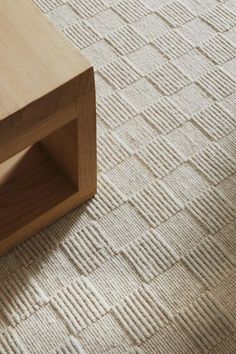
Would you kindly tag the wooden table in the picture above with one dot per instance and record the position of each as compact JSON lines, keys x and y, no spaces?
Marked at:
{"x":47,"y":124}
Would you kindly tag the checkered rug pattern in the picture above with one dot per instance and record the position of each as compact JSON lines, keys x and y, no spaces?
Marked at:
{"x":148,"y":266}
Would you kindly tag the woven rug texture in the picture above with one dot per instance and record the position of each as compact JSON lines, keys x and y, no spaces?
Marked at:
{"x":148,"y":266}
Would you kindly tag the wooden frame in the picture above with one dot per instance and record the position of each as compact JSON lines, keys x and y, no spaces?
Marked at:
{"x":48,"y":135}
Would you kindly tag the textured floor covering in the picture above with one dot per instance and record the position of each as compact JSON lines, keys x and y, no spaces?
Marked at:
{"x":148,"y":266}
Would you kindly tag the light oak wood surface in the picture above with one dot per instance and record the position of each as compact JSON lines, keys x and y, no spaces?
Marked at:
{"x":47,"y":124}
{"x":33,"y":58}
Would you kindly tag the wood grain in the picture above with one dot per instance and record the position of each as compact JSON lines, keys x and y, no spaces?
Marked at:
{"x":47,"y":124}
{"x":62,"y":146}
{"x":30,"y":185}
{"x":34,"y":59}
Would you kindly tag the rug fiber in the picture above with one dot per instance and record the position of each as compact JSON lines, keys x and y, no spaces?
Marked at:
{"x":148,"y":265}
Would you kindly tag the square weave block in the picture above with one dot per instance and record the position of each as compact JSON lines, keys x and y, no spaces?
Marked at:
{"x":47,"y":124}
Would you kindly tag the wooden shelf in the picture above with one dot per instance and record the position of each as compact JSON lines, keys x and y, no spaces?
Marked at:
{"x":47,"y":107}
{"x":30,"y":185}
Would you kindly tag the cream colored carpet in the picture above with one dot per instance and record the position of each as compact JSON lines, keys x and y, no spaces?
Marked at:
{"x":148,"y":265}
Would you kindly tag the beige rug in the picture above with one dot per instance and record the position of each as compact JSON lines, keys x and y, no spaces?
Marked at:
{"x":148,"y":265}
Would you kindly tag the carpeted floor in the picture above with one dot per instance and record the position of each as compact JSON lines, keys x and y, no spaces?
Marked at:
{"x":148,"y":265}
